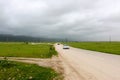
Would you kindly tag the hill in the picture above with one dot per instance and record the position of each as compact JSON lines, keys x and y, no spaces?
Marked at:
{"x":14,"y":38}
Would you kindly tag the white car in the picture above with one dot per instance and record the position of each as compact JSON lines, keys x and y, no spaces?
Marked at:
{"x":66,"y":47}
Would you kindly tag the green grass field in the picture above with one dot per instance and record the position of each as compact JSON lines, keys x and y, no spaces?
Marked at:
{"x":10,"y":70}
{"x":26,"y":50}
{"x":107,"y":47}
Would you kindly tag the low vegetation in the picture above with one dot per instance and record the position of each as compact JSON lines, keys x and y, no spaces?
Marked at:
{"x":107,"y":47}
{"x":10,"y":70}
{"x":27,"y":50}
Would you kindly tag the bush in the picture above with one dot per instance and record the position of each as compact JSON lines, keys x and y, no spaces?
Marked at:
{"x":52,"y":51}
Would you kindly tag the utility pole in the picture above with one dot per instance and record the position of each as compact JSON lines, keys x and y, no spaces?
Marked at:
{"x":7,"y":39}
{"x":110,"y":38}
{"x":66,"y":40}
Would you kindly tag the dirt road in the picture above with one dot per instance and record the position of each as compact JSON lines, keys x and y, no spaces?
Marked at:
{"x":89,"y":65}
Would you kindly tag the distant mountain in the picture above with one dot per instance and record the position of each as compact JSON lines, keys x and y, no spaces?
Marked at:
{"x":13,"y":38}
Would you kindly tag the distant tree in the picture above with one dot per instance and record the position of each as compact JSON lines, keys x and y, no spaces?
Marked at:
{"x":26,"y":42}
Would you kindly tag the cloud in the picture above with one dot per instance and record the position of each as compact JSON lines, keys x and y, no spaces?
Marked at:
{"x":72,"y":19}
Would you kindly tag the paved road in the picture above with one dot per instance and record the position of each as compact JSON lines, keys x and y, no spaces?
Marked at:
{"x":82,"y":64}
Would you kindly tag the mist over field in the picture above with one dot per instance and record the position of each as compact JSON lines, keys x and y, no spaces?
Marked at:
{"x":86,"y":20}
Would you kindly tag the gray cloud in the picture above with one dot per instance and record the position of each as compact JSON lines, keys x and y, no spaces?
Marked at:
{"x":73,"y":19}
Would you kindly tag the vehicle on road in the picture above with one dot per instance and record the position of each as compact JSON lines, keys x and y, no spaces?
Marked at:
{"x":66,"y":47}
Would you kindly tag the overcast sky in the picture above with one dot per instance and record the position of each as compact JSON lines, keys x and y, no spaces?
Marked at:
{"x":72,"y":19}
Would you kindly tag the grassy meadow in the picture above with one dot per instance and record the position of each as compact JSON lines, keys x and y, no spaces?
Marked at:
{"x":27,"y":50}
{"x":107,"y":47}
{"x":10,"y":70}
